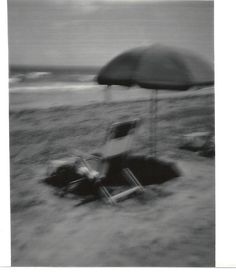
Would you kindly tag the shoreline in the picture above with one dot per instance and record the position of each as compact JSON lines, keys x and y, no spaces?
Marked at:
{"x":78,"y":96}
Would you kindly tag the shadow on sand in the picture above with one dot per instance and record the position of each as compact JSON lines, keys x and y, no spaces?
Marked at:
{"x":147,"y":170}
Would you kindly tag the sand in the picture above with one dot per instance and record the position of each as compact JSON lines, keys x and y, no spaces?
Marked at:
{"x":171,"y":224}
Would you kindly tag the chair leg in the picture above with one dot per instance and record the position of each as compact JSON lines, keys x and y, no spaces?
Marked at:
{"x":128,"y":174}
{"x":106,"y":194}
{"x":66,"y":189}
{"x":112,"y":199}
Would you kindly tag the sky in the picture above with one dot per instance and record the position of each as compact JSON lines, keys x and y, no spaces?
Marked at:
{"x":91,"y":32}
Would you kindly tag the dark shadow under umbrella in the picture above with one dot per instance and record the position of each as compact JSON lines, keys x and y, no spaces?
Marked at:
{"x":157,"y":67}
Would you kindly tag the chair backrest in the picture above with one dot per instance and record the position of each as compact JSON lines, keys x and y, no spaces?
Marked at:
{"x":119,"y":138}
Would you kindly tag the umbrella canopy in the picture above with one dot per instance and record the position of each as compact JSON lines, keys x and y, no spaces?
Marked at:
{"x":157,"y":67}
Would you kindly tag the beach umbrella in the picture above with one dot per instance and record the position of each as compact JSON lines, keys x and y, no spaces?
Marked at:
{"x":157,"y":67}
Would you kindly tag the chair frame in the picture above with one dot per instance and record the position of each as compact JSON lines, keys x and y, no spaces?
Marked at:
{"x":104,"y":165}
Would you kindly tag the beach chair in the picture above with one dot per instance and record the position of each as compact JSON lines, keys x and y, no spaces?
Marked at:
{"x":118,"y":144}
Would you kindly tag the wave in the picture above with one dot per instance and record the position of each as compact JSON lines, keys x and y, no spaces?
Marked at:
{"x":54,"y":87}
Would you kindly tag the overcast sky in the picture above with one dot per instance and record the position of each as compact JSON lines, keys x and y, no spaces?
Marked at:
{"x":90,"y":32}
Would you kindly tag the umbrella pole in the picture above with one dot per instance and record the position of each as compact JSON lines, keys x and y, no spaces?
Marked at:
{"x":107,"y":94}
{"x":150,"y":123}
{"x":153,"y":124}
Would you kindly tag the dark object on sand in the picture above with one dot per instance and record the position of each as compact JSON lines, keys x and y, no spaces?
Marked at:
{"x":201,"y":142}
{"x":61,"y":177}
{"x":157,"y":67}
{"x":114,"y":167}
{"x":147,"y":170}
{"x":93,"y":169}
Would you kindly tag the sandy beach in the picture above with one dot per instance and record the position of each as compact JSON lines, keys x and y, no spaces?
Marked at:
{"x":169,"y":225}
